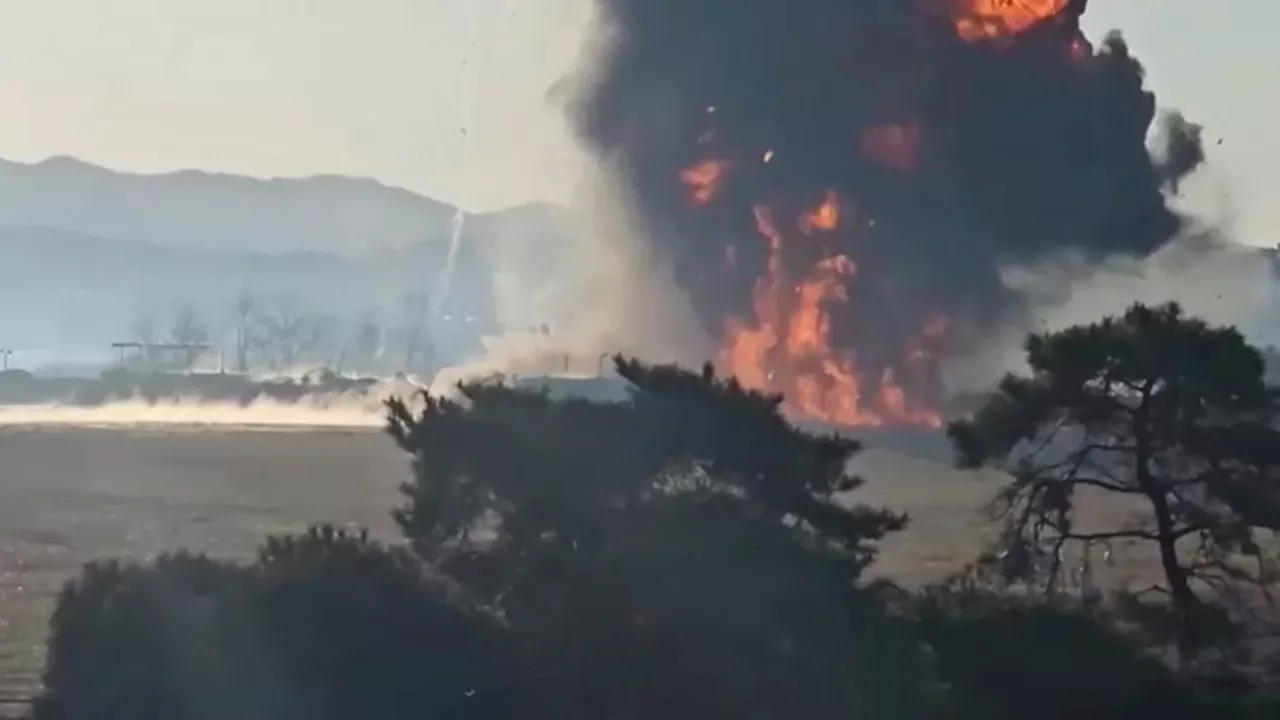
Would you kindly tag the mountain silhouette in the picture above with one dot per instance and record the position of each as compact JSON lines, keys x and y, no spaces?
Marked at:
{"x":85,"y":249}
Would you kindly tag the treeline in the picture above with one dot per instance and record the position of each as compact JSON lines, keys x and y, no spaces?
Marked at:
{"x":258,"y":332}
{"x":691,"y":554}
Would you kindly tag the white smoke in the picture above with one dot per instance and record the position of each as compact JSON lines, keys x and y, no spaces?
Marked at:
{"x":595,"y":286}
{"x":596,"y":291}
{"x":1220,"y":282}
{"x":321,"y":408}
{"x":1207,"y":269}
{"x":191,"y":413}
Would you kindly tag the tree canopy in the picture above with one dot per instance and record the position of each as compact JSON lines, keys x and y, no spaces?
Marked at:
{"x":325,"y":625}
{"x":1153,"y":406}
{"x":689,"y":549}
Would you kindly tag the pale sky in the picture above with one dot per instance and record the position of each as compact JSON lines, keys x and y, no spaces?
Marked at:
{"x":386,"y":88}
{"x":379,"y":88}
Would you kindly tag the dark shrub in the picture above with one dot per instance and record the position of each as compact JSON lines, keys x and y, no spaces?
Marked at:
{"x":686,"y":554}
{"x":326,"y":625}
{"x":143,"y":641}
{"x":1004,"y":657}
{"x":354,"y":630}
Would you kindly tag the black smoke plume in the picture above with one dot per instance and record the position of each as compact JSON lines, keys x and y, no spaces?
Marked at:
{"x":1027,"y":145}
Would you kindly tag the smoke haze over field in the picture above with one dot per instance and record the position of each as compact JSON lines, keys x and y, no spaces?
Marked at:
{"x":192,"y":414}
{"x":315,"y":409}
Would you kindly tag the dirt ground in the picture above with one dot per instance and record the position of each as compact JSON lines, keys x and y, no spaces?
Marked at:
{"x":72,"y":494}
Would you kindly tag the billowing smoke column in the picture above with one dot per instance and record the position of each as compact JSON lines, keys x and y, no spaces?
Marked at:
{"x":839,"y":181}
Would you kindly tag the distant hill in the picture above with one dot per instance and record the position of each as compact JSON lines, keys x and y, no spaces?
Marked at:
{"x":190,"y":208}
{"x":68,"y":290}
{"x":84,"y":249}
{"x":49,"y":260}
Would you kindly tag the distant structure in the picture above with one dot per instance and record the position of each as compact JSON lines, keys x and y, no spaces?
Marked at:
{"x":4,"y":358}
{"x":158,"y":356}
{"x":585,"y":387}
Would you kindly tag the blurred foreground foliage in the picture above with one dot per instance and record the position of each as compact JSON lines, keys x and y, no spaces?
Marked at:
{"x":686,"y":554}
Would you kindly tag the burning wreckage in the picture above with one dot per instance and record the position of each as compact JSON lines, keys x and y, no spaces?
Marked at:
{"x":839,"y":182}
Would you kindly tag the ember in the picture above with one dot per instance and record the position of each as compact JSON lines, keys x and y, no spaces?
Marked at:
{"x":703,"y":180}
{"x":842,"y":180}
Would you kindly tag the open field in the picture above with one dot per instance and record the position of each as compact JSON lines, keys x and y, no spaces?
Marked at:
{"x":69,"y":494}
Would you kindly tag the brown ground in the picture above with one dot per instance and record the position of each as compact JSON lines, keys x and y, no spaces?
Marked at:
{"x":72,"y":494}
{"x":69,"y":495}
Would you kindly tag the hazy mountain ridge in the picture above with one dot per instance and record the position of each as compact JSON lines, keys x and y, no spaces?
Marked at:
{"x":57,"y":259}
{"x":191,"y":208}
{"x":84,"y":250}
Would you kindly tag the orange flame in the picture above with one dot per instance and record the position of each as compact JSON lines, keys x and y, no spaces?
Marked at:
{"x":978,"y":20}
{"x":892,"y":146}
{"x":787,"y":349}
{"x":825,"y":217}
{"x":703,"y":179}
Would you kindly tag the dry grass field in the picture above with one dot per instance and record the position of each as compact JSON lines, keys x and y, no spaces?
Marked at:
{"x":70,"y":494}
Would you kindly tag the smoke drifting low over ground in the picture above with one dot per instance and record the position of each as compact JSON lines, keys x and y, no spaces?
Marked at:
{"x":321,"y":407}
{"x":838,"y":184}
{"x":192,"y":413}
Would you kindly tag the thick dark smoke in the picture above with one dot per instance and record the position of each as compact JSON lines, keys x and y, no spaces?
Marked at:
{"x":1027,"y":146}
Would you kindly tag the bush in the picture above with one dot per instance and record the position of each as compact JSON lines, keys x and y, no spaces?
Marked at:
{"x":325,"y":625}
{"x":688,"y":553}
{"x":356,"y":630}
{"x":1006,"y":657}
{"x":132,"y":641}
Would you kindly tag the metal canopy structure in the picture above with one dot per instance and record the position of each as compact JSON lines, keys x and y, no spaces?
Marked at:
{"x":159,"y":356}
